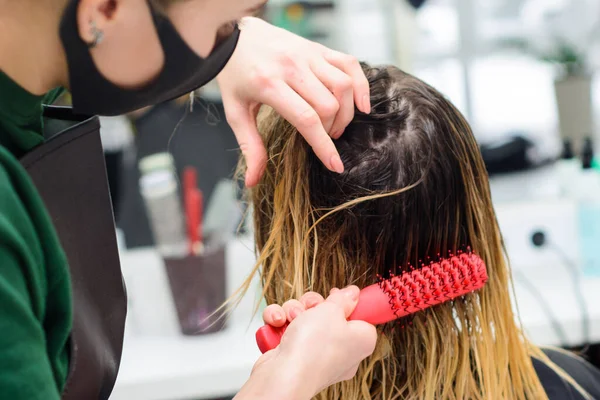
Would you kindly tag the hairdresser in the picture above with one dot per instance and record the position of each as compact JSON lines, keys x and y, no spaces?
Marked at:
{"x":62,"y":300}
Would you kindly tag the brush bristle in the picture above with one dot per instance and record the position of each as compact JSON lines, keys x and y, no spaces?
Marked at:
{"x":435,"y":283}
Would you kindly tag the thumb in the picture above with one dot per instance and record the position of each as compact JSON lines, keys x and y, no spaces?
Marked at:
{"x":242,"y":120}
{"x":347,"y":299}
{"x":263,"y":359}
{"x":365,"y":335}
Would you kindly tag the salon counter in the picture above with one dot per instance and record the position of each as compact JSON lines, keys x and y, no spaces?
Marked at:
{"x":161,"y":364}
{"x":180,"y":368}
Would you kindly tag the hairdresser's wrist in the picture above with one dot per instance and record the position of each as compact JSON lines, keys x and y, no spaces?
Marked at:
{"x":280,"y":378}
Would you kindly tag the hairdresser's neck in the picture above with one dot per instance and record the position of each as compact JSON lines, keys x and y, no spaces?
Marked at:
{"x":31,"y":53}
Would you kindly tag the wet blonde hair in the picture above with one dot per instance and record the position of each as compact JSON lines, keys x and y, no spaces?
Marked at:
{"x":414,"y":186}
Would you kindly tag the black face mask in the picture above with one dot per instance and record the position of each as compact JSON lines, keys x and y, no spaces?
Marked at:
{"x":183,"y":70}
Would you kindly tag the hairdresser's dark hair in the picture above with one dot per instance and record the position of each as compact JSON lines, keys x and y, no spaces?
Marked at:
{"x":414,"y":186}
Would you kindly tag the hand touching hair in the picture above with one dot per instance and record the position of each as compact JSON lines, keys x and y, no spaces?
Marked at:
{"x":414,"y":186}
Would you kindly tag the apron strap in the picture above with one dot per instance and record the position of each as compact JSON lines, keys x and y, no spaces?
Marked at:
{"x":70,"y":176}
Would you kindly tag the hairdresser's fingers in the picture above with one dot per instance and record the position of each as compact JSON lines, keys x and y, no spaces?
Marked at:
{"x":274,"y":315}
{"x":292,"y":309}
{"x":367,"y":335}
{"x":346,"y":298}
{"x":340,"y":85}
{"x":351,"y":373}
{"x":351,"y":66}
{"x":243,"y":123}
{"x":299,"y":113}
{"x":314,"y":92}
{"x":311,"y":299}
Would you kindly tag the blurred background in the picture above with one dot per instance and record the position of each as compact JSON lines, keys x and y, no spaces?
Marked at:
{"x":523,"y":74}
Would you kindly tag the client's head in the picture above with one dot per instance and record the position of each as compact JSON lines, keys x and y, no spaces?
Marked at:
{"x":414,"y":187}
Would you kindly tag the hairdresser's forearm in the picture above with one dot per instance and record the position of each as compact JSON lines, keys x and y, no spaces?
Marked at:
{"x":276,"y":379}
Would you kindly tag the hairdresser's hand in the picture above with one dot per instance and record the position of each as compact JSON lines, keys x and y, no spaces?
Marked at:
{"x":311,"y":86}
{"x":319,"y":348}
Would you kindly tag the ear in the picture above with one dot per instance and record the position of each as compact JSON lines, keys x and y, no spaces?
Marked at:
{"x":94,"y":16}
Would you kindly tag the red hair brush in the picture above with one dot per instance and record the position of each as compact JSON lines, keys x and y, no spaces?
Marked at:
{"x":405,"y":294}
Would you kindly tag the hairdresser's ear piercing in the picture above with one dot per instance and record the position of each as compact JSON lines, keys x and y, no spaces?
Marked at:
{"x":97,"y":34}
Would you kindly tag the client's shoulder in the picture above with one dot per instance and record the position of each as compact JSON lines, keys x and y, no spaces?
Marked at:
{"x":582,"y":372}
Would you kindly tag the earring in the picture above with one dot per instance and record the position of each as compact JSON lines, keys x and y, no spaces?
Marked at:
{"x":97,"y":33}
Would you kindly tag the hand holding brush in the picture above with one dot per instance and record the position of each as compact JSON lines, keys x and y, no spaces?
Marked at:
{"x":402,"y":295}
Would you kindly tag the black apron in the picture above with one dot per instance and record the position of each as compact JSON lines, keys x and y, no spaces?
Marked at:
{"x":70,"y":175}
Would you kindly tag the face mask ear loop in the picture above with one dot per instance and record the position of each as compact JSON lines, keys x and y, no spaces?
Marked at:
{"x":97,"y":33}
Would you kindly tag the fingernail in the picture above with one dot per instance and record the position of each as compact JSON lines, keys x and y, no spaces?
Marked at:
{"x":352,"y":292}
{"x":366,"y":104}
{"x":294,"y":312}
{"x":336,"y":164}
{"x":277,"y":316}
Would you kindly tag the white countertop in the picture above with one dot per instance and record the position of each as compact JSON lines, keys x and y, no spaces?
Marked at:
{"x":158,"y":362}
{"x":185,"y":367}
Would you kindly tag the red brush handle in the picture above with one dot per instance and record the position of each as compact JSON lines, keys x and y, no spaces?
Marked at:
{"x":368,"y":309}
{"x":269,"y":337}
{"x":406,"y":294}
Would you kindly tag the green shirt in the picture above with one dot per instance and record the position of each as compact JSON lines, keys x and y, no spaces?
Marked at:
{"x":35,"y":288}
